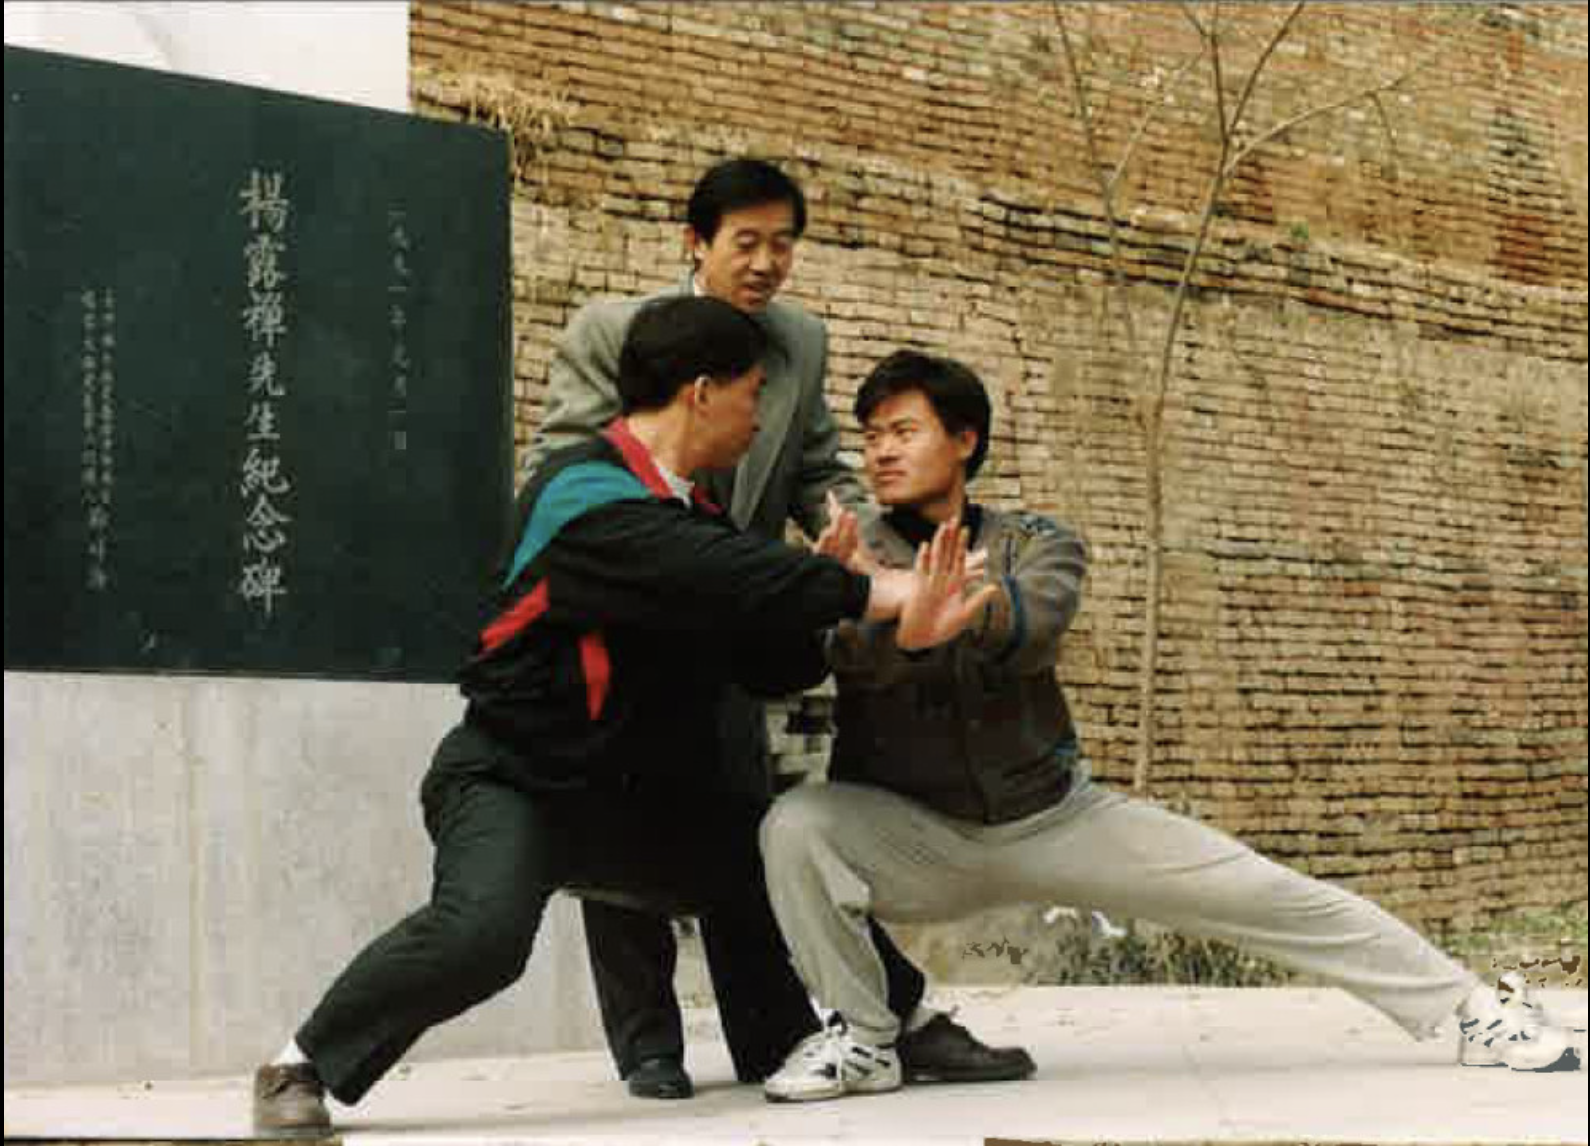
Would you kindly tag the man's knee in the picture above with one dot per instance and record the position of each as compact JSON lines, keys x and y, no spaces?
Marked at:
{"x":801,"y":820}
{"x":488,"y":947}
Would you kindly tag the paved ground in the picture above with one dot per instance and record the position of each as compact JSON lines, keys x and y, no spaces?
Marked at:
{"x":1117,"y":1064}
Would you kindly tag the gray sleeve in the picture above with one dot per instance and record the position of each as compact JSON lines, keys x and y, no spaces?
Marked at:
{"x":820,"y":467}
{"x":1038,"y":598}
{"x":582,"y":382}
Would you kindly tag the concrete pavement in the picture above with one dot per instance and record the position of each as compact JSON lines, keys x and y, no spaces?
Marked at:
{"x":1116,"y":1064}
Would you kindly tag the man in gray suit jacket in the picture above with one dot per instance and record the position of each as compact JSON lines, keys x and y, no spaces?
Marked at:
{"x":793,"y":463}
{"x":745,"y":218}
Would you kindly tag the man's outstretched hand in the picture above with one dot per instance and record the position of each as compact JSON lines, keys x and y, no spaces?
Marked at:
{"x":841,"y":538}
{"x":937,"y":607}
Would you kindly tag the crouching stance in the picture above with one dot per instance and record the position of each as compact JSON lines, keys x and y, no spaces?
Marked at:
{"x":584,"y":755}
{"x":958,"y":784}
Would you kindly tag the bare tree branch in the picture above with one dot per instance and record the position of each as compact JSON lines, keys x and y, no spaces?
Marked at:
{"x":1264,"y":58}
{"x":1154,"y":415}
{"x":1391,"y":134}
{"x":1096,"y":164}
{"x":1237,"y":33}
{"x":1143,"y":123}
{"x":1233,"y":150}
{"x":1217,"y":72}
{"x":1154,"y":440}
{"x":1084,"y":112}
{"x":1374,"y":91}
{"x":1079,"y":96}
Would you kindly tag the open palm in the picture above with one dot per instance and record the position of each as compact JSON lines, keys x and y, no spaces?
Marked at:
{"x":937,"y":608}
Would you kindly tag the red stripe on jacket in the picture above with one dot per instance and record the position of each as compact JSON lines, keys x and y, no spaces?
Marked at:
{"x":595,"y":661}
{"x":598,"y":668}
{"x":637,"y":457}
{"x":517,"y":619}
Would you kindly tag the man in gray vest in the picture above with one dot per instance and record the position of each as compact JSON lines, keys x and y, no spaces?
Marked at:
{"x":745,"y":219}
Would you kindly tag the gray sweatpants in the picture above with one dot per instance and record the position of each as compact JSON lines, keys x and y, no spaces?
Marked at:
{"x":837,"y":852}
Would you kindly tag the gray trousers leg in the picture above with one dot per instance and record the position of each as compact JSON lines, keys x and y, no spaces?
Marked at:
{"x":836,"y":852}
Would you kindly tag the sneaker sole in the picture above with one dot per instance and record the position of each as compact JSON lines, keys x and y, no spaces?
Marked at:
{"x":1566,"y":1062}
{"x":875,"y":1087}
{"x":828,"y":1095}
{"x":792,"y":1098}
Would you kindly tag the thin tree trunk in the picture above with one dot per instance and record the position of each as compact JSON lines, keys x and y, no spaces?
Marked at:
{"x":1232,"y":154}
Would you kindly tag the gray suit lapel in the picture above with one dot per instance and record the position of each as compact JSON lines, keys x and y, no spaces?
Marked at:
{"x":775,"y":411}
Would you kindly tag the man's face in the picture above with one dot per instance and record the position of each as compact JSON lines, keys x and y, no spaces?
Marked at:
{"x":728,"y":415}
{"x":749,"y":258}
{"x":911,"y":460}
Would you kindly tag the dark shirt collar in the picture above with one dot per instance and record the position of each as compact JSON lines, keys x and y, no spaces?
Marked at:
{"x":917,"y":530}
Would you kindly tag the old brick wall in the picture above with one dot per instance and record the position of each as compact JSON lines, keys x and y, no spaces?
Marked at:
{"x":1375,"y":633}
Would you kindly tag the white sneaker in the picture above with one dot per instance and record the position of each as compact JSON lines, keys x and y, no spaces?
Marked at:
{"x":1501,"y":1034}
{"x":1514,"y":992}
{"x":831,"y":1064}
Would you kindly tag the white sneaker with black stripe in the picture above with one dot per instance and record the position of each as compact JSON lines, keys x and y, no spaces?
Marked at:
{"x":832,"y":1064}
{"x":1510,"y":1035}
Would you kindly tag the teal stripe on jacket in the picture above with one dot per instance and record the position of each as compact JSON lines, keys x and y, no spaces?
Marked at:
{"x":577,"y":490}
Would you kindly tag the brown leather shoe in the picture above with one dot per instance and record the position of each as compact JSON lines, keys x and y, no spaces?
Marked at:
{"x":290,"y":1102}
{"x":945,"y":1051}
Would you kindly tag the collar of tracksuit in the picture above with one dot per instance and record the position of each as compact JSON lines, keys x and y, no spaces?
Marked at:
{"x":918,"y":530}
{"x":641,"y":463}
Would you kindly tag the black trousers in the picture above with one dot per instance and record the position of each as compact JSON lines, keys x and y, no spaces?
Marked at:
{"x":633,"y":952}
{"x":500,"y":854}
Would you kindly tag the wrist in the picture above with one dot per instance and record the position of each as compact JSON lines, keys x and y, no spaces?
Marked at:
{"x":876,"y":606}
{"x":886,"y":595}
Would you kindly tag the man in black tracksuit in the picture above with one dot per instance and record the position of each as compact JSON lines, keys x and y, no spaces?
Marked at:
{"x":586,"y":754}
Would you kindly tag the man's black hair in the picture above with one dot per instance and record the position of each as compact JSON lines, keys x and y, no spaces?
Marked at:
{"x":736,"y":184}
{"x":673,"y":341}
{"x":956,"y":394}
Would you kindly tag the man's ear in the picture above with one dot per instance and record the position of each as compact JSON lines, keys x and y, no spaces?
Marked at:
{"x":965,"y":444}
{"x":695,"y":247}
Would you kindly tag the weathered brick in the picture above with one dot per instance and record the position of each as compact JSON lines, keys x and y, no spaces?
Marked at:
{"x":1373,"y":660}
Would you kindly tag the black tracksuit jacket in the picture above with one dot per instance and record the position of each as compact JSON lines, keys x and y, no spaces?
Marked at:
{"x":622,"y":614}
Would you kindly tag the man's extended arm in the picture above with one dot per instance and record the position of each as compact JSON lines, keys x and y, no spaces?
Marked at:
{"x":654,"y":565}
{"x":1038,"y":598}
{"x":1039,"y":589}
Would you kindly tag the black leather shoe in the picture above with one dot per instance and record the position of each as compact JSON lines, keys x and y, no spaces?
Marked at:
{"x":945,"y":1051}
{"x":290,"y":1102}
{"x":660,"y":1078}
